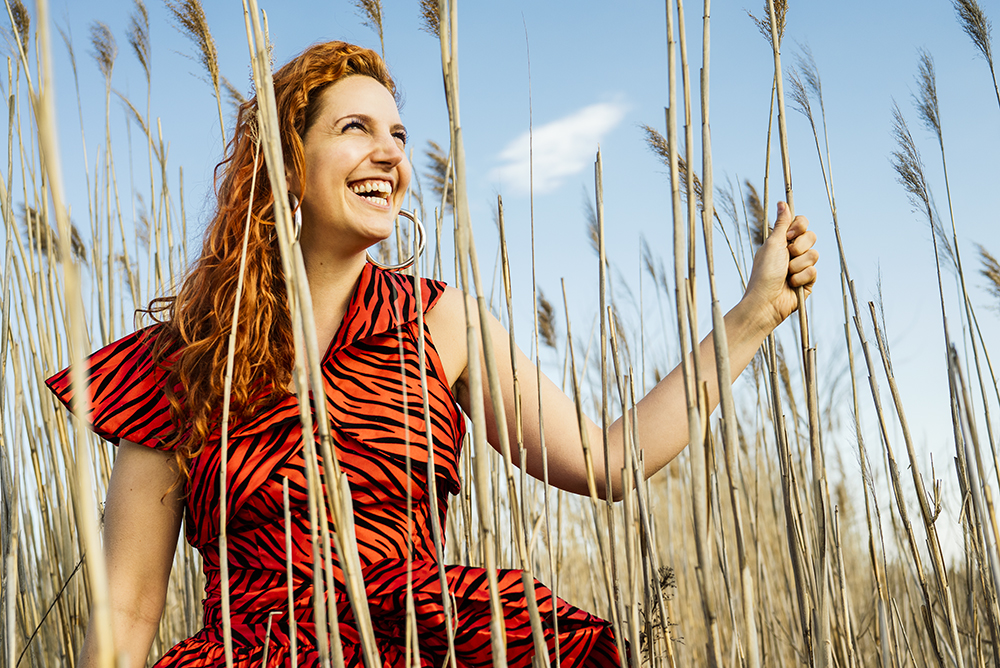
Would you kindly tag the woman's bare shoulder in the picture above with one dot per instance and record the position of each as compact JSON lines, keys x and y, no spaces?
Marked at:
{"x":446,"y":322}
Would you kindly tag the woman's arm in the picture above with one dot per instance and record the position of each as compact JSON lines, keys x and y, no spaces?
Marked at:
{"x":141,"y":522}
{"x":785,"y":261}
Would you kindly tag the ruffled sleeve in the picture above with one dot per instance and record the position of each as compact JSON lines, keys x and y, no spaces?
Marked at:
{"x":126,"y":391}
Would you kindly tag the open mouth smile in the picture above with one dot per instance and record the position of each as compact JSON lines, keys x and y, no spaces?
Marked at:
{"x":374,"y":191}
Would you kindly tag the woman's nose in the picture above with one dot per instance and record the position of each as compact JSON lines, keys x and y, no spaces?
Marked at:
{"x":388,"y":150}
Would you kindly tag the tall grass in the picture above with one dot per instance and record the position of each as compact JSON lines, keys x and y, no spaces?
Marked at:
{"x":784,"y":569}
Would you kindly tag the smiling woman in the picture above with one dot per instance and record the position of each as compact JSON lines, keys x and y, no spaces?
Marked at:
{"x":158,"y":392}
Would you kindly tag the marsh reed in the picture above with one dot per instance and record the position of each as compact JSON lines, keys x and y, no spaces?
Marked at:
{"x":783,"y":570}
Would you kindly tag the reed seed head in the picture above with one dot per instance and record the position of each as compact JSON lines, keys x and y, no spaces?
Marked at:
{"x":105,"y":48}
{"x":991,"y":272}
{"x":926,"y":99}
{"x":22,"y":23}
{"x":546,"y":321}
{"x":764,"y":24}
{"x":138,"y":36}
{"x":46,"y":238}
{"x":910,"y":174}
{"x":661,"y":148}
{"x":437,"y":172}
{"x":370,"y":12}
{"x":430,"y":20}
{"x":975,"y":24}
{"x":189,"y":19}
{"x":755,"y":210}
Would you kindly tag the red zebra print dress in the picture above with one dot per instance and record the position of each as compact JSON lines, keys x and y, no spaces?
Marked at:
{"x":365,"y":391}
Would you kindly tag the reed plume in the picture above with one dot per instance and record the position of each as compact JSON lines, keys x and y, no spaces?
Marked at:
{"x":926,"y":99}
{"x":438,"y":173}
{"x":764,"y":24}
{"x":546,"y":321}
{"x":975,"y":24}
{"x":756,"y":214}
{"x":138,"y":36}
{"x":105,"y":48}
{"x":370,"y":12}
{"x":430,"y":22}
{"x":979,"y":29}
{"x":21,"y":24}
{"x":910,"y":174}
{"x":189,"y":19}
{"x":991,"y":272}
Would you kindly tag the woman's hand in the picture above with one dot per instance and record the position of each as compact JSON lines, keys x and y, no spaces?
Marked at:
{"x":785,"y":261}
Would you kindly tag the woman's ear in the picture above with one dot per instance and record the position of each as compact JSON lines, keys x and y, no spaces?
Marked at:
{"x":294,"y":187}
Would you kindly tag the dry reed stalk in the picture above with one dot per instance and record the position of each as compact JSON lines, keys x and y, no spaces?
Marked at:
{"x":722,"y":364}
{"x":969,"y":450}
{"x":929,"y":515}
{"x":87,"y":523}
{"x":337,"y":498}
{"x":821,"y":610}
{"x":801,"y":96}
{"x":518,"y":529}
{"x":929,"y":111}
{"x":695,"y":434}
{"x":437,"y":534}
{"x":227,"y":631}
{"x":614,"y":597}
{"x":601,"y":536}
{"x":448,"y":30}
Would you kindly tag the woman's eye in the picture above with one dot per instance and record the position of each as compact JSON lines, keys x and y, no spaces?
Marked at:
{"x":401,"y":136}
{"x":355,"y":125}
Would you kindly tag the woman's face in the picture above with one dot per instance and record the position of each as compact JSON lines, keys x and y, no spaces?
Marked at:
{"x":356,"y":171}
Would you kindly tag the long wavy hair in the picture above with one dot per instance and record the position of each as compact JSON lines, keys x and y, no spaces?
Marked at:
{"x":192,"y":341}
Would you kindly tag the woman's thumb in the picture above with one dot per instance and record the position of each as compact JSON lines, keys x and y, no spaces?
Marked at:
{"x":783,"y":222}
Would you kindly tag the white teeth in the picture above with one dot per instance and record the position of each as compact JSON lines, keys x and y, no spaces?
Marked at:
{"x":372,"y":186}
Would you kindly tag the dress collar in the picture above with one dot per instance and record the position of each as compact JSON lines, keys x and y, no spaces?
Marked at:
{"x":382,"y":301}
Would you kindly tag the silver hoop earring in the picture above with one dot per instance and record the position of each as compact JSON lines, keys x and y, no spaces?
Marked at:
{"x":421,"y":238}
{"x":296,"y":217}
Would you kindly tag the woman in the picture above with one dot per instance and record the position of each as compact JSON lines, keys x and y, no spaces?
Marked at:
{"x":158,"y":393}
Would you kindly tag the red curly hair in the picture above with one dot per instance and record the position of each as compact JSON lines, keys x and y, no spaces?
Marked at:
{"x":192,"y":340}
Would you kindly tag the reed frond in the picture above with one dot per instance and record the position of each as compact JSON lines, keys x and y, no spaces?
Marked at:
{"x":725,"y":202}
{"x":105,"y":48}
{"x":430,"y":20}
{"x":926,"y":99}
{"x":659,"y":145}
{"x":758,"y":217}
{"x":991,"y":272}
{"x":910,"y":174}
{"x":975,"y":24}
{"x":546,"y":321}
{"x":647,"y":258}
{"x":764,"y":24}
{"x":908,"y":165}
{"x":138,"y":36}
{"x":22,"y":23}
{"x":189,"y":19}
{"x":437,"y":172}
{"x":806,"y":65}
{"x":134,"y":114}
{"x":797,"y":94}
{"x":46,"y":237}
{"x":370,"y":12}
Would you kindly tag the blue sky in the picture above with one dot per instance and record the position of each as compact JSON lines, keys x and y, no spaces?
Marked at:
{"x":598,"y":72}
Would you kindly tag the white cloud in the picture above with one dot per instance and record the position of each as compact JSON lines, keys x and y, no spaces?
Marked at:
{"x":562,"y":148}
